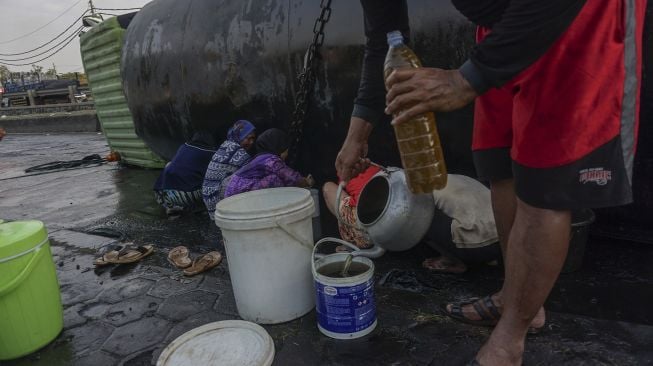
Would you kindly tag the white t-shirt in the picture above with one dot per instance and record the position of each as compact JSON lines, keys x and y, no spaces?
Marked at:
{"x":468,"y":203}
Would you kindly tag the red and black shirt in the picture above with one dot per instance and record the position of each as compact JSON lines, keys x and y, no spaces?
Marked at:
{"x":522,"y":31}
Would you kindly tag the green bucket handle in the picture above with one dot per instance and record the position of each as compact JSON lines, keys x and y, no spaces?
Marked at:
{"x":26,"y":271}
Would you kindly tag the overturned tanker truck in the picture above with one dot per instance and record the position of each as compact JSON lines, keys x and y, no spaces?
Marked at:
{"x":201,"y":65}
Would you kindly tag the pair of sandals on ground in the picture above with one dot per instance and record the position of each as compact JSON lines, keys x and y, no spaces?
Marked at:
{"x":180,"y":258}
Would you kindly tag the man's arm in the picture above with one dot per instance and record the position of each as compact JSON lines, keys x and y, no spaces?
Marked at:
{"x":381,"y":17}
{"x":351,"y":159}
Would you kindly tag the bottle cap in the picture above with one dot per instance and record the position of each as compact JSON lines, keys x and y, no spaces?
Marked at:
{"x":395,"y":38}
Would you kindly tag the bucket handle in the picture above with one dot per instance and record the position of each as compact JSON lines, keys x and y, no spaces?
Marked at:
{"x":332,"y":240}
{"x":25,"y":272}
{"x":283,"y":226}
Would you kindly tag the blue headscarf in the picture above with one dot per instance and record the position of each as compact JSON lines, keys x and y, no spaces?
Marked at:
{"x":240,"y":130}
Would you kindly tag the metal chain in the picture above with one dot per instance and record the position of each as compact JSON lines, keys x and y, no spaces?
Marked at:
{"x":307,"y":77}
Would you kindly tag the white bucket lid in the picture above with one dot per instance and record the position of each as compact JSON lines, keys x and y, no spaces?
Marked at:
{"x":263,"y":207}
{"x":224,"y":343}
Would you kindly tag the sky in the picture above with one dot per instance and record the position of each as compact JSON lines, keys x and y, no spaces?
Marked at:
{"x":18,"y":18}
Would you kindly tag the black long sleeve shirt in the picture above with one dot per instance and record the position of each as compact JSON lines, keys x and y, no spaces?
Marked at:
{"x":522,"y":31}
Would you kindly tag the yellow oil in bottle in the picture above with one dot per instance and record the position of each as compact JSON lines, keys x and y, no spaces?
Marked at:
{"x":418,"y":139}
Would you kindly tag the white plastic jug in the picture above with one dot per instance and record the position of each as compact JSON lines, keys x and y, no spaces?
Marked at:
{"x":268,"y":239}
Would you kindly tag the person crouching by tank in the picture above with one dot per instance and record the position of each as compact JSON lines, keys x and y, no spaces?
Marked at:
{"x":179,"y":186}
{"x":268,"y":168}
{"x":348,"y":228}
{"x":463,"y":230}
{"x":232,"y":155}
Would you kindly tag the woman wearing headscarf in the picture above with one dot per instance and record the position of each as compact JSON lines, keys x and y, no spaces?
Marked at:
{"x":231,"y":156}
{"x":179,"y":186}
{"x":268,"y":169}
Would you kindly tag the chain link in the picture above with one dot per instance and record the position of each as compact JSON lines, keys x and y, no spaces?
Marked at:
{"x":307,"y":77}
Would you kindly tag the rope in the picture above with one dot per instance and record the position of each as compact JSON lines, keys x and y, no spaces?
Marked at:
{"x":41,"y":27}
{"x":72,"y":35}
{"x":44,"y":58}
{"x":87,"y":161}
{"x":48,"y":42}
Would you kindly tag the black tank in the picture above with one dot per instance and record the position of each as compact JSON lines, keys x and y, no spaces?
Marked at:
{"x":199,"y":65}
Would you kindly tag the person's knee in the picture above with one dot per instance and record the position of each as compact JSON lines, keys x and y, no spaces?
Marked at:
{"x":328,"y":188}
{"x":534,"y":213}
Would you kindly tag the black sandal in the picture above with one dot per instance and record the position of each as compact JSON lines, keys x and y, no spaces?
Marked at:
{"x":488,"y":312}
{"x":485,"y":308}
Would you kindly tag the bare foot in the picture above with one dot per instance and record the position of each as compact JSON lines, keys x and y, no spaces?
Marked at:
{"x":470,"y":312}
{"x":444,"y":264}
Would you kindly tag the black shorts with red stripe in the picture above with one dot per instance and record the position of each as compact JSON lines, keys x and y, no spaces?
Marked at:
{"x":566,"y":127}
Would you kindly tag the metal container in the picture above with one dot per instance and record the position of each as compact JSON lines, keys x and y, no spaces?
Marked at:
{"x":393,"y":217}
{"x":345,"y":306}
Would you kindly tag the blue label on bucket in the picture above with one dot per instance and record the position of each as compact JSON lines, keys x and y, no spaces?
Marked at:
{"x":348,"y":309}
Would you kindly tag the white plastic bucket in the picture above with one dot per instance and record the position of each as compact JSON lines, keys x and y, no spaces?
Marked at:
{"x":267,"y":236}
{"x":345,"y":307}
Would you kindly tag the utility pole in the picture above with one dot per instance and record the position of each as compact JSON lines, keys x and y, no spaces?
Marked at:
{"x":90,"y":4}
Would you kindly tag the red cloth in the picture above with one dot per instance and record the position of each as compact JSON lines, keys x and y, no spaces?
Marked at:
{"x":356,"y":185}
{"x":570,"y":101}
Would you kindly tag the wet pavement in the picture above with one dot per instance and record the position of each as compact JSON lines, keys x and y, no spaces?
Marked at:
{"x":126,"y":314}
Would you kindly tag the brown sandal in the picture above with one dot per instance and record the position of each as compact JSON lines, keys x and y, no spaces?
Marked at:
{"x":100,"y":262}
{"x":204,"y":263}
{"x":128,"y":254}
{"x":108,"y":256}
{"x":179,"y":257}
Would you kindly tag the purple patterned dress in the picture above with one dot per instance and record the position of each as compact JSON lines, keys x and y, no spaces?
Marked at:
{"x":265,"y":171}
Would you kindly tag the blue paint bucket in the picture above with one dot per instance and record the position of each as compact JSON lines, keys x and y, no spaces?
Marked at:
{"x":345,"y":306}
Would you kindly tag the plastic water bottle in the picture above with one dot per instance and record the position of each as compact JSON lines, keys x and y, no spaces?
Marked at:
{"x":418,"y":139}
